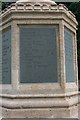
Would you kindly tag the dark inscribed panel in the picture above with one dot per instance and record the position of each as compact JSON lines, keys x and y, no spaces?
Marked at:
{"x":69,"y":58}
{"x":6,"y":56}
{"x":38,"y":54}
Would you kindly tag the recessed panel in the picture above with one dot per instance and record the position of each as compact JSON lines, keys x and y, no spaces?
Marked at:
{"x":38,"y":54}
{"x":6,"y":56}
{"x":0,"y":57}
{"x":69,"y":55}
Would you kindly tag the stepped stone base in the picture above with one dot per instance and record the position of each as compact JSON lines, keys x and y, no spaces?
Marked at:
{"x":41,"y":113}
{"x":26,"y":107}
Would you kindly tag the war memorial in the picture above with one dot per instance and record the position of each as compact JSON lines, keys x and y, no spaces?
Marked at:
{"x":39,"y":61}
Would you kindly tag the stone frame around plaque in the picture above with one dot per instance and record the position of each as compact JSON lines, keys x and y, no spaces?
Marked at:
{"x":60,"y":57}
{"x":6,"y":87}
{"x":30,"y":86}
{"x":74,"y":84}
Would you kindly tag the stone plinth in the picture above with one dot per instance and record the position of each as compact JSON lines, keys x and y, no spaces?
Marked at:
{"x":39,"y":61}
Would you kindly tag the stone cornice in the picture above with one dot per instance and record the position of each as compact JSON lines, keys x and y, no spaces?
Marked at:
{"x":39,"y":7}
{"x":38,"y":16}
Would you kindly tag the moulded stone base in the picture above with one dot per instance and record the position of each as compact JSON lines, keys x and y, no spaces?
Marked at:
{"x":71,"y":112}
{"x":24,"y":106}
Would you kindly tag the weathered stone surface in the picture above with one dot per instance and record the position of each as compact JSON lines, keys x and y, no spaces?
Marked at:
{"x":37,"y":1}
{"x":40,"y":100}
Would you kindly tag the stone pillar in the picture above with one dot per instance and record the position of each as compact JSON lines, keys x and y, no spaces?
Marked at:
{"x":39,"y":61}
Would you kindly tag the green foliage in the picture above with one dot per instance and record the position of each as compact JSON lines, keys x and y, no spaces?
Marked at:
{"x":0,"y":4}
{"x":5,"y":4}
{"x":75,"y":8}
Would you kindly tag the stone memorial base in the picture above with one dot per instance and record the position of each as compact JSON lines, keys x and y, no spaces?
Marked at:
{"x":39,"y":61}
{"x":40,"y":107}
{"x":41,"y":113}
